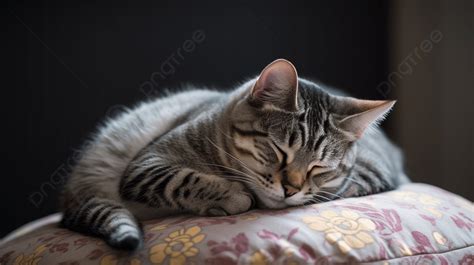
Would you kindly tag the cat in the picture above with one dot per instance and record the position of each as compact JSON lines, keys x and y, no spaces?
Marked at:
{"x":273,"y":142}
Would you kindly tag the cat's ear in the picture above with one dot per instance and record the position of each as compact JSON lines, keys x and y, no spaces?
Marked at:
{"x":277,"y":86}
{"x":361,"y":114}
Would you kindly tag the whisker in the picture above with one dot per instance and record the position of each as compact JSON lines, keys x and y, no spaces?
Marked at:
{"x":230,"y":155}
{"x":228,"y":168}
{"x":238,"y":160}
{"x":331,"y":194}
{"x":240,"y":175}
{"x":223,"y":133}
{"x":312,"y":201}
{"x":323,"y":197}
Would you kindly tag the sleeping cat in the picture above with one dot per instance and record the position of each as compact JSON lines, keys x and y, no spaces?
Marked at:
{"x":275,"y":141}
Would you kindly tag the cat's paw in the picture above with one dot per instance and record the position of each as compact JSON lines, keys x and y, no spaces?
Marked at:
{"x":238,"y":200}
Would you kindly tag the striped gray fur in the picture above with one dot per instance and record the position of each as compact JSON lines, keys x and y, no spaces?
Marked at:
{"x":273,"y":142}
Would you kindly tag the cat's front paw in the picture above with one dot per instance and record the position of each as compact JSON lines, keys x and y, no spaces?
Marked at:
{"x":238,"y":200}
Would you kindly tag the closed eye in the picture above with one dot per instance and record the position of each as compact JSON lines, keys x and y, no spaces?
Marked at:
{"x":315,"y":167}
{"x":318,"y":169}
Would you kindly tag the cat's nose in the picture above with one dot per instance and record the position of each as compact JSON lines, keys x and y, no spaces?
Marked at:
{"x":295,"y":178}
{"x":292,"y":182}
{"x":289,"y":190}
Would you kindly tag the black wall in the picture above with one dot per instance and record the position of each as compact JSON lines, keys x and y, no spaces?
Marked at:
{"x":67,"y":67}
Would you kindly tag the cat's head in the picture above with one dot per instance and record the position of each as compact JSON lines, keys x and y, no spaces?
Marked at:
{"x":287,"y":133}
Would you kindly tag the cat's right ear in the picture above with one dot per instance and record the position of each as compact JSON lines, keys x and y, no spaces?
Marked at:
{"x":277,"y":86}
{"x":358,"y":115}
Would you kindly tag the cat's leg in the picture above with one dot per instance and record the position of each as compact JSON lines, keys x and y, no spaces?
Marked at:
{"x":104,"y":218}
{"x":184,"y":189}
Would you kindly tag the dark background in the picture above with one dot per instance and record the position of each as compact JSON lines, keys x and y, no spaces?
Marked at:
{"x":67,"y":67}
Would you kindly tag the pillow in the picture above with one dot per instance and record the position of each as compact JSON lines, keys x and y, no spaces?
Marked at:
{"x":416,"y":224}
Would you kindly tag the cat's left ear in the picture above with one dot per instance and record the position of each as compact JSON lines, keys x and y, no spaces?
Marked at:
{"x":361,"y":114}
{"x":277,"y":86}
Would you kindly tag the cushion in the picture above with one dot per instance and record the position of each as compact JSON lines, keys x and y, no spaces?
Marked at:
{"x":416,"y":224}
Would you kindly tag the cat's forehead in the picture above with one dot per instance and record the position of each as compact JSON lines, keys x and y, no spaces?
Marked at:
{"x":311,"y":113}
{"x":310,"y":93}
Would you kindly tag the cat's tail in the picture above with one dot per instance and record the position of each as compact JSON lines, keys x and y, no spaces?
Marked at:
{"x":104,"y":218}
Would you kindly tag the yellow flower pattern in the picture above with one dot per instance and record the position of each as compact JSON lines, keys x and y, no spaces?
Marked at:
{"x":135,"y":262}
{"x":439,"y":238}
{"x":31,"y":259}
{"x":114,"y":260}
{"x":178,"y":246}
{"x":159,"y":227}
{"x":262,"y":257}
{"x":259,"y":258}
{"x":428,"y":202}
{"x":413,"y":197}
{"x":347,"y":230}
{"x":403,"y":247}
{"x":249,"y":217}
{"x":109,"y":260}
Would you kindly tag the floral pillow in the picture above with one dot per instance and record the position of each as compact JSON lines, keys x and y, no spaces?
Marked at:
{"x":416,"y":224}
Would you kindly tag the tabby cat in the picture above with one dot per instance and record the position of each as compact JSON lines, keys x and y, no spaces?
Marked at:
{"x":273,"y":142}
